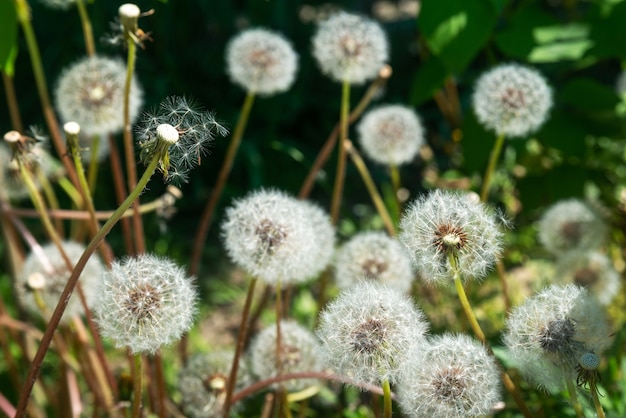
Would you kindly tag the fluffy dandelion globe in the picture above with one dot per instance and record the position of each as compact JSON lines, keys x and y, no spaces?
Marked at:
{"x":44,"y":274}
{"x":91,"y":93}
{"x":275,"y":237}
{"x":450,"y":376}
{"x":350,"y":48}
{"x":512,"y":100}
{"x":592,"y":270}
{"x":367,"y":331}
{"x":448,"y":232}
{"x":299,"y":352}
{"x":204,"y":380}
{"x":391,"y":135}
{"x":261,"y":61}
{"x":570,"y":225}
{"x":145,"y":302}
{"x":374,"y":256}
{"x":549,"y":332}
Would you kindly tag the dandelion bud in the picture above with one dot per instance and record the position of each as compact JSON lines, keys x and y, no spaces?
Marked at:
{"x":571,"y":225}
{"x":367,"y":331}
{"x":275,"y":237}
{"x":179,"y":135}
{"x":46,"y":272}
{"x":261,"y":62}
{"x":391,"y":135}
{"x":374,"y":256}
{"x":444,"y":224}
{"x":91,"y":93}
{"x":351,"y":48}
{"x":203,"y":382}
{"x":144,"y":303}
{"x":450,"y":376}
{"x":512,"y":100}
{"x":299,"y":352}
{"x":549,"y":333}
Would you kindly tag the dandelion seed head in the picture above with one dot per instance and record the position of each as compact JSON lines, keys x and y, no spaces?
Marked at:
{"x":145,"y":302}
{"x":351,"y":48}
{"x":391,"y":135}
{"x":367,"y":331}
{"x":443,"y":224}
{"x":512,"y":100}
{"x":261,"y":61}
{"x":91,"y":93}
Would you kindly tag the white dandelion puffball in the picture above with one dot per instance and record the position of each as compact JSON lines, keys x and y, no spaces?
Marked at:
{"x":444,"y":224}
{"x":261,"y":61}
{"x":299,"y":352}
{"x":571,"y":225}
{"x":374,"y":256}
{"x":350,"y":47}
{"x":391,"y":135}
{"x":550,"y":332}
{"x":47,"y":273}
{"x":91,"y":93}
{"x":145,"y":302}
{"x":512,"y":100}
{"x":451,"y":376}
{"x":276,"y":237}
{"x":367,"y":332}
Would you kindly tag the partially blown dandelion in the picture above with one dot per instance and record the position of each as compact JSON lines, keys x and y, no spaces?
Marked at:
{"x":512,"y":100}
{"x":450,"y":376}
{"x":350,"y":48}
{"x":261,"y":61}
{"x":367,"y":331}
{"x":549,"y":333}
{"x":445,"y":224}
{"x":391,"y":135}
{"x":592,"y":270}
{"x":145,"y":302}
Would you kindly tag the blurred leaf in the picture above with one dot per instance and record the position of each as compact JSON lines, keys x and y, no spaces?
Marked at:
{"x":548,"y":34}
{"x":8,"y":36}
{"x":428,"y":79}
{"x":456,"y":30}
{"x":560,"y":51}
{"x":607,"y":32}
{"x":517,"y":40}
{"x":565,"y":133}
{"x":559,"y":183}
{"x":589,"y":95}
{"x":477,"y":143}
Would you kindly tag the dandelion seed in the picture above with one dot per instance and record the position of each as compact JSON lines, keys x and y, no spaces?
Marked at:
{"x":450,"y":376}
{"x":203,"y":382}
{"x":299,"y":352}
{"x":261,"y":61}
{"x":351,"y":48}
{"x":570,"y":225}
{"x":445,"y":224}
{"x":512,"y":100}
{"x":367,"y":331}
{"x":50,"y":273}
{"x":145,"y":302}
{"x":91,"y":93}
{"x":374,"y":256}
{"x":275,"y":237}
{"x":550,"y":332}
{"x":391,"y":135}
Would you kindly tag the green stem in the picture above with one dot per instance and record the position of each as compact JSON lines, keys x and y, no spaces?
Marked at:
{"x":137,"y":385}
{"x":396,"y":184}
{"x":44,"y":345}
{"x":335,"y":205}
{"x":241,"y":338}
{"x":86,"y":25}
{"x":386,"y":399}
{"x":227,"y":165}
{"x":92,"y":173}
{"x":371,"y":187}
{"x":573,"y":398}
{"x":596,"y":400}
{"x":493,"y":160}
{"x":72,"y":142}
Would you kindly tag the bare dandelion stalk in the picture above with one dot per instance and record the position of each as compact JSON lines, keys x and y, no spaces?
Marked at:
{"x":87,"y":29}
{"x":340,"y":175}
{"x":137,"y":385}
{"x":573,"y":398}
{"x":491,"y":168}
{"x":387,"y":399}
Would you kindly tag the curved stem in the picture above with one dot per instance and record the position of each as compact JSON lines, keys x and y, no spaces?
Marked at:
{"x":35,"y":366}
{"x":86,"y":25}
{"x":387,"y":399}
{"x":340,"y":175}
{"x":493,"y":161}
{"x":137,"y":385}
{"x":596,"y":400}
{"x":241,"y":337}
{"x":573,"y":398}
{"x":227,"y":165}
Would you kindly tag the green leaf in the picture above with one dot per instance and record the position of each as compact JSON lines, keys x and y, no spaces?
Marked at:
{"x":456,"y":30}
{"x":8,"y":36}
{"x":564,"y":132}
{"x":588,"y":95}
{"x":428,"y":79}
{"x":560,"y":51}
{"x":517,"y":39}
{"x":549,"y":34}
